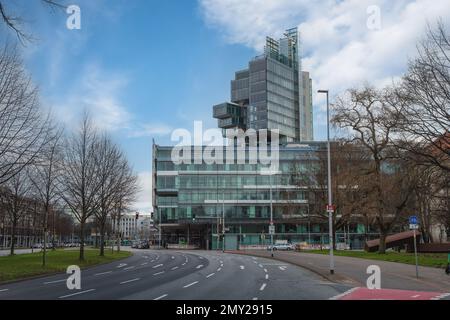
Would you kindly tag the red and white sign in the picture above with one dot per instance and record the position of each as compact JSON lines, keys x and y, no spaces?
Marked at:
{"x":331,"y":208}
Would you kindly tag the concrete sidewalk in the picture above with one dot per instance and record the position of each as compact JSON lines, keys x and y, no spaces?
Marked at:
{"x":352,"y":271}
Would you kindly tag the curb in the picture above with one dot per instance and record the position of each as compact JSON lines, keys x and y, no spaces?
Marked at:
{"x":336,"y":278}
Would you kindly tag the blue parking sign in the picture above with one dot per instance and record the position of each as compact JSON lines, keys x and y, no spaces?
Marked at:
{"x":412,"y":220}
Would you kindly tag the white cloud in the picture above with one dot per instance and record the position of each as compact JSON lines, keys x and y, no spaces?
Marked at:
{"x":150,"y":130}
{"x":144,"y":199}
{"x":338,"y":48}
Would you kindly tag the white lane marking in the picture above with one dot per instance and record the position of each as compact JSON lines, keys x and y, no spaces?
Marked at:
{"x":160,"y":297}
{"x":209,"y":275}
{"x":262,"y":287}
{"x":199,"y":266}
{"x":121,"y":265}
{"x":415,"y":296}
{"x":132,"y":280}
{"x":173,"y":257}
{"x":260,"y":265}
{"x":282,"y":268}
{"x":128,"y":268}
{"x":265,"y":270}
{"x":174,"y":268}
{"x":158,"y":265}
{"x":3,"y":290}
{"x":76,"y":293}
{"x":183,"y":264}
{"x":255,"y":298}
{"x":343,"y":294}
{"x":441,"y":296}
{"x":143,"y":264}
{"x":242,"y":267}
{"x":190,"y":284}
{"x":152,"y":261}
{"x":99,"y":274}
{"x":49,"y":282}
{"x":161,"y":272}
{"x":200,"y":257}
{"x":221,"y":261}
{"x":255,"y":262}
{"x":218,"y":269}
{"x":267,"y":276}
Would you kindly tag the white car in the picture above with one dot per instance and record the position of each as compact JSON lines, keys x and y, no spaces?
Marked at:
{"x":284,"y":246}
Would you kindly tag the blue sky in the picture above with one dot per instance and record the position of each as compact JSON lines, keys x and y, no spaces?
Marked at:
{"x":145,"y":67}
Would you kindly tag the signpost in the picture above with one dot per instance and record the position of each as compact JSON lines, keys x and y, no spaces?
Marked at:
{"x":413,"y":225}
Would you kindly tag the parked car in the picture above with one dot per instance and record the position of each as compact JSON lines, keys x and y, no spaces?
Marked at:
{"x":284,"y":246}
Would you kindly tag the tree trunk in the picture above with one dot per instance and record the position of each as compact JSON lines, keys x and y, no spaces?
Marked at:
{"x":382,"y":246}
{"x":13,"y":238}
{"x":82,"y":241}
{"x":118,"y":242}
{"x":44,"y":252}
{"x":102,"y":240}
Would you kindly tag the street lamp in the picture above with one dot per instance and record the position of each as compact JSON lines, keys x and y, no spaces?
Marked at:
{"x":330,"y":200}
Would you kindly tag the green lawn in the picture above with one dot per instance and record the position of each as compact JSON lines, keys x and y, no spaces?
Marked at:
{"x":437,"y":260}
{"x":27,"y":265}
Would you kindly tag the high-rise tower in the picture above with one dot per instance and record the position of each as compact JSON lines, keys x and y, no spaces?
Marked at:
{"x":272,"y":93}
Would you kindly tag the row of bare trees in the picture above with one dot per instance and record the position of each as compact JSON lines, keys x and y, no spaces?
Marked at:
{"x":403,"y":134}
{"x":84,"y":171}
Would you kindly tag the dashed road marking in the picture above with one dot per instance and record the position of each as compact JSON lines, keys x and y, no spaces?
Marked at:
{"x":262,"y":287}
{"x":129,"y":268}
{"x":143,"y":264}
{"x":210,"y":275}
{"x":265,"y":270}
{"x":174,"y":268}
{"x":199,"y":266}
{"x":160,"y":297}
{"x":190,"y":284}
{"x":242,"y":267}
{"x":218,"y":269}
{"x":267,"y":276}
{"x":158,"y":265}
{"x":255,"y":298}
{"x":132,"y":280}
{"x":56,"y":281}
{"x":3,"y":290}
{"x":161,"y":272}
{"x":76,"y":293}
{"x":121,"y":265}
{"x":283,"y":268}
{"x":102,"y":273}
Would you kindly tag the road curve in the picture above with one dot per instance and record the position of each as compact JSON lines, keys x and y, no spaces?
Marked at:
{"x":182,"y":275}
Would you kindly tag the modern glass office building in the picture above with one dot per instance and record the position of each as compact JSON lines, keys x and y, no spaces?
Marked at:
{"x":272,"y":93}
{"x":192,"y":202}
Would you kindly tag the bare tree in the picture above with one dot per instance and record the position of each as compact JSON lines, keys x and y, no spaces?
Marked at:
{"x":126,"y":194}
{"x":425,"y":91}
{"x":79,"y":180}
{"x":16,"y":23}
{"x":16,"y":198}
{"x":24,"y":132}
{"x":45,"y":176}
{"x":370,"y":119}
{"x":110,"y":162}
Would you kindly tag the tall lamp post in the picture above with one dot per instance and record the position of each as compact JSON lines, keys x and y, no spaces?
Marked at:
{"x":330,"y":207}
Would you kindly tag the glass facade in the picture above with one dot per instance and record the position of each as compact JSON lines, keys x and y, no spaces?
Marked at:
{"x":190,"y":200}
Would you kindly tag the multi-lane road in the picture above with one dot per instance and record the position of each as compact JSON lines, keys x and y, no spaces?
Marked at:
{"x":194,"y":275}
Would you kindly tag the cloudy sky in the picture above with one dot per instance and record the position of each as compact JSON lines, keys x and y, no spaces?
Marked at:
{"x":146,"y":67}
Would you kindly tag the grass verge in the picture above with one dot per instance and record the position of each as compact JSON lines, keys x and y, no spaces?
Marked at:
{"x":437,"y":260}
{"x":28,"y":265}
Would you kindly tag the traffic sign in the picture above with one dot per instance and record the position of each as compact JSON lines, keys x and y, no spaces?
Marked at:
{"x":271,"y":229}
{"x":413,"y":226}
{"x":331,"y":208}
{"x":412,"y":220}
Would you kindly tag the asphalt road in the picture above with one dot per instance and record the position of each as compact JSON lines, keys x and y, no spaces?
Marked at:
{"x":184,"y":275}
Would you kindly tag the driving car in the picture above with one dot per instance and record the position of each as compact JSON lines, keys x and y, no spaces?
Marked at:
{"x":284,"y":246}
